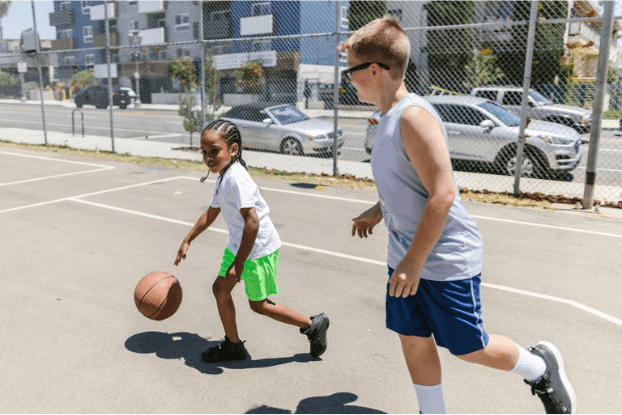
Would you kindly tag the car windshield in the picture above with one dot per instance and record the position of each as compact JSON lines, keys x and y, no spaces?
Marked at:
{"x":286,"y":114}
{"x":506,"y":117}
{"x":540,"y":99}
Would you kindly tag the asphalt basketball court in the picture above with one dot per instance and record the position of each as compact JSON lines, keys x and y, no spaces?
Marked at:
{"x":78,"y":233}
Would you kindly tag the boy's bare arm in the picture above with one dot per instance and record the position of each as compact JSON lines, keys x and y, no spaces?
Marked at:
{"x":366,"y":221}
{"x":207,"y":218}
{"x":249,"y":234}
{"x":423,"y":141}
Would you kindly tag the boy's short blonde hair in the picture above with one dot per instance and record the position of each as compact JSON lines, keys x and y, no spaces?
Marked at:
{"x":381,"y":40}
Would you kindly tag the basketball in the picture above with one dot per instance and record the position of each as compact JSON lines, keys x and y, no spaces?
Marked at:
{"x":158,"y":295}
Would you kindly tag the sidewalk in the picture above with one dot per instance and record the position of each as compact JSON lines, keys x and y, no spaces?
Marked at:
{"x":296,"y":164}
{"x":311,"y":113}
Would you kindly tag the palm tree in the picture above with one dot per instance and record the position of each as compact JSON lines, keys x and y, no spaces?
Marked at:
{"x":4,"y":9}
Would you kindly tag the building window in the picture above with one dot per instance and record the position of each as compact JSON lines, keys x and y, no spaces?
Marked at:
{"x":396,"y":14}
{"x":132,"y":3}
{"x":88,"y":34}
{"x":89,"y":59}
{"x":134,"y":28}
{"x":70,"y":60}
{"x":183,"y":52}
{"x":221,"y":50}
{"x":85,"y":7}
{"x":182,"y":22}
{"x":262,"y":45}
{"x":220,"y":16}
{"x":64,"y":34}
{"x":65,"y":5}
{"x":344,"y":22}
{"x":259,"y":9}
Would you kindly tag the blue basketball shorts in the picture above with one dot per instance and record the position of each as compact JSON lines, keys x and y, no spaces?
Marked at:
{"x":449,"y":310}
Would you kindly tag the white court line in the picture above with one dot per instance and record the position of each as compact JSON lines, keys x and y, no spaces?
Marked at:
{"x":360,"y":259}
{"x":53,"y":159}
{"x":540,"y":225}
{"x":49,"y":202}
{"x":293,"y":192}
{"x":101,"y":168}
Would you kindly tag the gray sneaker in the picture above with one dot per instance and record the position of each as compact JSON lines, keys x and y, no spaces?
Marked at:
{"x":553,"y":388}
{"x":317,"y":334}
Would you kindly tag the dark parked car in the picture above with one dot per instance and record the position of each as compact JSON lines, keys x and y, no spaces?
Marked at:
{"x":98,"y":95}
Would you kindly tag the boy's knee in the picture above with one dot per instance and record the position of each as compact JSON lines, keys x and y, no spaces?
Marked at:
{"x":220,"y":292}
{"x":473,"y":357}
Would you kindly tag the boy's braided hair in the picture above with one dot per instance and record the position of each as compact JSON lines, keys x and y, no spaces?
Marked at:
{"x":231,"y":134}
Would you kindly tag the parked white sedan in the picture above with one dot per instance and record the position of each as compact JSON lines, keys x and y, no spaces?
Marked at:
{"x":483,"y":131}
{"x":283,"y":128}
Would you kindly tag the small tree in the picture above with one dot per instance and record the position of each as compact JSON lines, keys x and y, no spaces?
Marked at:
{"x":481,"y":70}
{"x":8,"y":79}
{"x":250,"y":77}
{"x":82,"y":79}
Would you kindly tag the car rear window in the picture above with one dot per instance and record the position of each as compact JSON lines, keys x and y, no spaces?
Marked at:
{"x":286,"y":114}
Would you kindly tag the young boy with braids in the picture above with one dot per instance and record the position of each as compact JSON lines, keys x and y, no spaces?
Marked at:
{"x":435,"y":247}
{"x":253,"y":251}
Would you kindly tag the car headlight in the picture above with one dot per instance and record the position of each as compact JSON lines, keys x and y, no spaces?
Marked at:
{"x":318,"y":137}
{"x":555,"y":140}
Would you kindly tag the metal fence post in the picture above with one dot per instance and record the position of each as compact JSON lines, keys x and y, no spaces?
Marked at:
{"x":336,"y":87}
{"x":34,"y":21}
{"x":110,"y":101}
{"x":599,"y":98}
{"x":520,"y":149}
{"x":202,"y":63}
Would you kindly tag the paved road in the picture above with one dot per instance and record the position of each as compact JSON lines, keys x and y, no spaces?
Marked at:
{"x":167,"y":126}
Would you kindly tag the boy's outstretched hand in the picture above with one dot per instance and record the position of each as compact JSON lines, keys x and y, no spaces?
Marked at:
{"x":181,"y":254}
{"x":366,"y":221}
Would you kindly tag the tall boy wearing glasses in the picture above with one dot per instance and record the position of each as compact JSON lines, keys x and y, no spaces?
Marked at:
{"x":435,"y":248}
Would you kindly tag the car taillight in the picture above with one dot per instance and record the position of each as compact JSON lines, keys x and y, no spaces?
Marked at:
{"x":115,"y":93}
{"x":372,"y":121}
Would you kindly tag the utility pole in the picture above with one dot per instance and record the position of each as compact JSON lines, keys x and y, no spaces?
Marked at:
{"x":110,"y":101}
{"x":599,"y":98}
{"x":34,"y":21}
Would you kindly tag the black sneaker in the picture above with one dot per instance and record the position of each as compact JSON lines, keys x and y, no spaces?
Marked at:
{"x":553,"y":388}
{"x":317,"y":334}
{"x":225,"y":351}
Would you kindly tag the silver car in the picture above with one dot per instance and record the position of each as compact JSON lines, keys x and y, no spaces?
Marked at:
{"x":539,"y":107}
{"x":283,"y":128}
{"x":480,"y":130}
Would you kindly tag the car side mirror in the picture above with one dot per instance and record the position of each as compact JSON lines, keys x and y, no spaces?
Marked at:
{"x":267,"y":121}
{"x":487,"y":124}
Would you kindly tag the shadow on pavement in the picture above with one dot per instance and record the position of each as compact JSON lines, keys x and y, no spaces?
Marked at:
{"x":336,"y":403}
{"x":189,"y":346}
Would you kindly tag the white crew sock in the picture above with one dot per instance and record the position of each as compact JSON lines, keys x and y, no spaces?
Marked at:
{"x":430,"y":398}
{"x":529,"y":366}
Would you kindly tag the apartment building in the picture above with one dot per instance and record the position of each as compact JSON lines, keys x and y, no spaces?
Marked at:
{"x":154,"y":32}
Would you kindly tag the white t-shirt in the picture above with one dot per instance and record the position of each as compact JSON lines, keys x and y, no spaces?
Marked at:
{"x":237,"y":191}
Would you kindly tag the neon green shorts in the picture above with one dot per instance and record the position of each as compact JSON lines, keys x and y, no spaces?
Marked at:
{"x":259,"y":274}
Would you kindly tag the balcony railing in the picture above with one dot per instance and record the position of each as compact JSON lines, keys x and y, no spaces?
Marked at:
{"x":98,"y":12}
{"x":151,"y":6}
{"x":64,"y":44}
{"x":153,"y":36}
{"x":99,"y":40}
{"x":62,"y":18}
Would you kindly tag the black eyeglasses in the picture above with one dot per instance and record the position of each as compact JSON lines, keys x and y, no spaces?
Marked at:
{"x":348,"y":72}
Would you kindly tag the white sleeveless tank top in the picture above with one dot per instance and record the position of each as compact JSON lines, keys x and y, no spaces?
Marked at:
{"x":458,"y":253}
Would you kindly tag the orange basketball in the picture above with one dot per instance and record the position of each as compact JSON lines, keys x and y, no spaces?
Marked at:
{"x":158,"y":295}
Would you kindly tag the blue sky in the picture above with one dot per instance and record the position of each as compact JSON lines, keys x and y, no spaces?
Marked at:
{"x":19,"y":19}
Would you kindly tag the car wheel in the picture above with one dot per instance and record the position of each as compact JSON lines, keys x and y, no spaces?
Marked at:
{"x":532,"y":166}
{"x":291,"y":146}
{"x":123,"y":106}
{"x":78,"y":105}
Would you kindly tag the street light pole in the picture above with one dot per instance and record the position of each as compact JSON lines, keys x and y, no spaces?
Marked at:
{"x":136,"y":41}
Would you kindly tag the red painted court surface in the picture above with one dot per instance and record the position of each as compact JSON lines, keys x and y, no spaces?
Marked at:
{"x":78,"y":234}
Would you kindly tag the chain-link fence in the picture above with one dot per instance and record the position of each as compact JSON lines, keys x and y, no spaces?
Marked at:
{"x":272,"y":68}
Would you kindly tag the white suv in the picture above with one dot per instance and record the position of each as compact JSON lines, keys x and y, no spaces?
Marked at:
{"x":539,"y":107}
